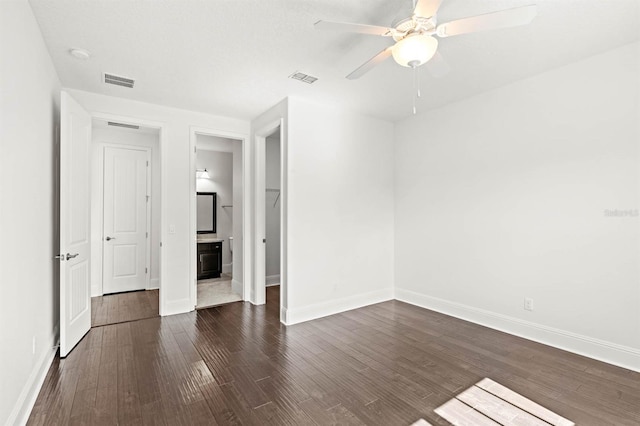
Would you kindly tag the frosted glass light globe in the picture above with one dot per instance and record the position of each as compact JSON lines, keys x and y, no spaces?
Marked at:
{"x":414,"y":50}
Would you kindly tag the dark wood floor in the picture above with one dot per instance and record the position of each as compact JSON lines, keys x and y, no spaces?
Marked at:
{"x":123,"y":307}
{"x":386,"y":364}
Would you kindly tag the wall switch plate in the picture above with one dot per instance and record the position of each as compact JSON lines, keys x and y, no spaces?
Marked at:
{"x":528,"y":304}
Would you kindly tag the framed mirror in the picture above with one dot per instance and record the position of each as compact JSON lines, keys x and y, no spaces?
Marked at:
{"x":206,"y":212}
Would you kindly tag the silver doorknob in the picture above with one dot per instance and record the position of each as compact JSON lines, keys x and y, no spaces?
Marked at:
{"x":71,"y":256}
{"x":109,"y":238}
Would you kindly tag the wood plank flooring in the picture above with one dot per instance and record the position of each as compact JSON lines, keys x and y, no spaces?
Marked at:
{"x":123,"y":307}
{"x":386,"y":364}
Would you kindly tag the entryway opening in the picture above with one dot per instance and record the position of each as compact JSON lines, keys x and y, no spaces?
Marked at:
{"x":125,"y":222}
{"x":270,"y":272}
{"x":219,"y":221}
{"x":272,"y":216}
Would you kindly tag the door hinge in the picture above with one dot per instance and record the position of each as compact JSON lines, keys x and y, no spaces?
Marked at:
{"x":147,"y":198}
{"x":146,"y":235}
{"x":146,"y":270}
{"x":195,"y":149}
{"x":147,"y":163}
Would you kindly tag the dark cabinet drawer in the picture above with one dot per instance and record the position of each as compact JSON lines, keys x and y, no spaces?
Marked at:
{"x":209,"y":260}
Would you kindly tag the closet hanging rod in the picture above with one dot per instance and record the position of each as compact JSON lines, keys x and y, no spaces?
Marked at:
{"x":273,"y":190}
{"x":227,"y":206}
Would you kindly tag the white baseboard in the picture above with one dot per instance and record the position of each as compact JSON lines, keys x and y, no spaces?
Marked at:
{"x":227,"y":268}
{"x":335,"y":306}
{"x":22,"y":409}
{"x":96,"y":290}
{"x":173,"y":307}
{"x":612,"y":353}
{"x":236,"y":287}
{"x":154,"y":284}
{"x":272,"y":280}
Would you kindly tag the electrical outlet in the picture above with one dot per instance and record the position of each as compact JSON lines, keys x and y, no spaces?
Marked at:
{"x":528,"y":304}
{"x":33,"y":345}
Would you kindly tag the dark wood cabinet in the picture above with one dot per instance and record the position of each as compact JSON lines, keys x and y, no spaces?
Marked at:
{"x":209,"y":260}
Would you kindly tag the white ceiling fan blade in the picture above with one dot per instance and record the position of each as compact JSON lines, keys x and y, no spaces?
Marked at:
{"x":427,"y":8}
{"x":438,"y":66}
{"x":367,"y":66}
{"x":490,"y":21}
{"x":353,"y":28}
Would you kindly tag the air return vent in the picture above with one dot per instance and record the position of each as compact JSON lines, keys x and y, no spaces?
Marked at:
{"x":128,"y":126}
{"x":118,"y":80}
{"x":305,"y":78}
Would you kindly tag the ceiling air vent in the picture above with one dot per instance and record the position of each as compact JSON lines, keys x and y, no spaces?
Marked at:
{"x":118,"y":80}
{"x":128,"y":126}
{"x":305,"y":78}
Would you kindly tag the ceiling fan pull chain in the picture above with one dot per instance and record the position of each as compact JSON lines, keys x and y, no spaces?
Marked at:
{"x":416,"y":88}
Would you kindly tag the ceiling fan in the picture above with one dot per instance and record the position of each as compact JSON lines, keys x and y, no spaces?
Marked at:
{"x":415,"y":36}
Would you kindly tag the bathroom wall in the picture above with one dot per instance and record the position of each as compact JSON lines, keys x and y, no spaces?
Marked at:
{"x":272,"y":209}
{"x":102,"y":134}
{"x":220,"y":168}
{"x":237,"y":256}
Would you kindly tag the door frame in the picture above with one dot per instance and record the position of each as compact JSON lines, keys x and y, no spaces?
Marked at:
{"x":260,"y":288}
{"x":101,"y":206}
{"x":247,"y":236}
{"x":163,"y":186}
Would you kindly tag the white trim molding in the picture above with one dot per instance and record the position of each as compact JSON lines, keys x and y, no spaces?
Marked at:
{"x":236,"y":286}
{"x":611,"y":353}
{"x":273,"y":280}
{"x":154,"y":284}
{"x":335,"y":306}
{"x":172,"y":307}
{"x":27,"y":399}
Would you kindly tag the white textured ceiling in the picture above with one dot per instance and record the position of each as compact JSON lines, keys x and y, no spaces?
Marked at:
{"x":233,"y":57}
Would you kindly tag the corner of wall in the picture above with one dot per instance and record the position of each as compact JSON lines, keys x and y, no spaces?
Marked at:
{"x":335,"y":306}
{"x":610,"y":353}
{"x":27,"y":398}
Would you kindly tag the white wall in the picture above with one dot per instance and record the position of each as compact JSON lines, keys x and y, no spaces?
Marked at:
{"x":340,"y":211}
{"x":121,"y":136}
{"x":503,"y":196}
{"x":29,"y":119}
{"x":176,"y":289}
{"x":272,"y":208}
{"x":220,"y":168}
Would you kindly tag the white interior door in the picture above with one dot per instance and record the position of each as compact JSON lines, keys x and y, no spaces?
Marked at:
{"x":75,"y":296}
{"x":125,"y":219}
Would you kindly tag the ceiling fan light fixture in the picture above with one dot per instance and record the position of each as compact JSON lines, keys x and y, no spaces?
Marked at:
{"x":414,"y":50}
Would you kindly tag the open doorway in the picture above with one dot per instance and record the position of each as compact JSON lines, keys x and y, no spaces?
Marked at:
{"x":125,"y":221}
{"x":272,"y":220}
{"x":219,"y":221}
{"x":270,"y":282}
{"x":272,"y":210}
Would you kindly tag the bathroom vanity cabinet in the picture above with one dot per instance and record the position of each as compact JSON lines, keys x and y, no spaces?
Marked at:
{"x":209,"y":259}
